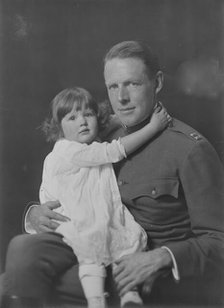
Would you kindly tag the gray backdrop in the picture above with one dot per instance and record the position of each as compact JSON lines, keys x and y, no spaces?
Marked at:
{"x":47,"y":45}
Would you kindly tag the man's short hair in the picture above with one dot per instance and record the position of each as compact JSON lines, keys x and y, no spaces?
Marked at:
{"x":135,"y":49}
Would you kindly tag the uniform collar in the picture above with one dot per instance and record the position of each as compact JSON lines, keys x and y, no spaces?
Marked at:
{"x":136,"y":127}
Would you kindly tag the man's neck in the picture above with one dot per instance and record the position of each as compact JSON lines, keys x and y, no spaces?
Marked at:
{"x":134,"y":128}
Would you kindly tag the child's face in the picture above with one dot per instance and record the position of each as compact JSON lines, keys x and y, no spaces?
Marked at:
{"x":80,"y":125}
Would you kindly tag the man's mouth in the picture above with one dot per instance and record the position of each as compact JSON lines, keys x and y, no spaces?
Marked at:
{"x":126,"y":110}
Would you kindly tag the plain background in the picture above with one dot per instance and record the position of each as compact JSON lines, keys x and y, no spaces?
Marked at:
{"x":48,"y":45}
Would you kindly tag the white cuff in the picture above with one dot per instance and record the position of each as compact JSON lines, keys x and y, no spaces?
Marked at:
{"x":122,"y":148}
{"x":27,"y":225}
{"x":91,"y":270}
{"x":175,"y":271}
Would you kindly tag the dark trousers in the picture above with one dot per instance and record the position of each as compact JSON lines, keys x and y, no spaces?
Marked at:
{"x":42,"y":266}
{"x":39,"y":266}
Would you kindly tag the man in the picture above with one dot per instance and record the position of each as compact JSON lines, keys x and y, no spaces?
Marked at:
{"x":173,"y":186}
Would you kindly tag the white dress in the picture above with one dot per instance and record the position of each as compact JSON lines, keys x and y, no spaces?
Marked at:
{"x":82,"y":178}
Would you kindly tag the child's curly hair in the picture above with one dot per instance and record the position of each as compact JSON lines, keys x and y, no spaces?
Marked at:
{"x":64,"y":102}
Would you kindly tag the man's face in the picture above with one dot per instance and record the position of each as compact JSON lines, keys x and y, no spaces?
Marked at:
{"x":131,"y":92}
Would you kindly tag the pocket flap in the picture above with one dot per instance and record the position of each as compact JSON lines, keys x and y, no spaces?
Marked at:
{"x":156,"y":188}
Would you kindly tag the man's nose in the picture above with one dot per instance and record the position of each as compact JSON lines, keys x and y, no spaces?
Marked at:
{"x":123,"y":95}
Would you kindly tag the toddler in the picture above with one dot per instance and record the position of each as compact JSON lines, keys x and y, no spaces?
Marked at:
{"x":79,"y":173}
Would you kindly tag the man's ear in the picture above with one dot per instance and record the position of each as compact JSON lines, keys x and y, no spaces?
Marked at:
{"x":159,"y":81}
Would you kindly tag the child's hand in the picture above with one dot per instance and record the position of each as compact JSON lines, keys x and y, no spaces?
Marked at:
{"x":160,"y":118}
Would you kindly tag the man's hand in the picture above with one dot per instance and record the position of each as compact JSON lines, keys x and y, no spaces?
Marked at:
{"x":42,"y":217}
{"x":134,"y":269}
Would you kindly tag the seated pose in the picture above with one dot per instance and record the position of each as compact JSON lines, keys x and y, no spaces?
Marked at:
{"x":173,"y":186}
{"x":79,"y":174}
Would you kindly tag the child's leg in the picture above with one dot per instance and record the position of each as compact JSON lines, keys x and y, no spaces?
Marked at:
{"x":131,"y":297}
{"x":92,"y":277}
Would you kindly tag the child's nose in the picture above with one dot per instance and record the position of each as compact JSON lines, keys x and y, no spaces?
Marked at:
{"x":83,"y":120}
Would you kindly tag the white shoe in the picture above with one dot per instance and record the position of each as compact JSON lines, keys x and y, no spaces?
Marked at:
{"x":96,"y":302}
{"x":131,"y":298}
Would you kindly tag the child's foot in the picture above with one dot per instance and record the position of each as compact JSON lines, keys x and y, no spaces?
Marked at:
{"x":131,"y":299}
{"x":96,"y":302}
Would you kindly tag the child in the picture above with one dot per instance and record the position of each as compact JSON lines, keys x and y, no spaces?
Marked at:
{"x":79,"y":173}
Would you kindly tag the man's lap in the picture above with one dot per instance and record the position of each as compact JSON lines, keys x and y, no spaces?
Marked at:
{"x":192,"y":292}
{"x":67,"y":287}
{"x":38,"y":260}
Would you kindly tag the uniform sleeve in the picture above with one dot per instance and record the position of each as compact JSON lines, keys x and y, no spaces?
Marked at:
{"x":202,"y":179}
{"x":95,"y":154}
{"x":48,"y":168}
{"x":27,"y":227}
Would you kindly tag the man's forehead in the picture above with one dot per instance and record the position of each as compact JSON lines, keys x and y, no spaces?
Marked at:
{"x":130,"y":61}
{"x":120,"y":68}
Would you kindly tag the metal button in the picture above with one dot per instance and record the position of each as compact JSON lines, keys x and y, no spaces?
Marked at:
{"x":120,"y":182}
{"x":196,"y":136}
{"x":154,"y":192}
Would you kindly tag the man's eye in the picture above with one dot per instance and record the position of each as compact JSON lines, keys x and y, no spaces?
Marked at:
{"x":112,"y":87}
{"x":134,"y":84}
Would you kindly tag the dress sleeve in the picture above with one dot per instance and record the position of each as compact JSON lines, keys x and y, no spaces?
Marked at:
{"x":95,"y":154}
{"x":202,"y":179}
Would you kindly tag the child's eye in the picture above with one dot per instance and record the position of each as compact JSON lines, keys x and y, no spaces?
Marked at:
{"x":72,"y":118}
{"x":89,"y":114}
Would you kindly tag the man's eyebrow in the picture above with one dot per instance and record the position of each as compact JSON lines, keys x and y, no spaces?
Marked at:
{"x":137,"y":80}
{"x":109,"y":84}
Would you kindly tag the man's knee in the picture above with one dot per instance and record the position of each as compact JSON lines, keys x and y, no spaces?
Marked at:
{"x":28,"y":269}
{"x":28,"y":250}
{"x":17,"y":249}
{"x":18,"y":242}
{"x":26,"y":256}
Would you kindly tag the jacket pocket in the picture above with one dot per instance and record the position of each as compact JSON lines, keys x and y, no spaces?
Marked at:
{"x":156,"y":188}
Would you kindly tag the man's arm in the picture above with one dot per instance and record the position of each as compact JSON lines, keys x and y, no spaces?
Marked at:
{"x":202,"y":179}
{"x":26,"y":228}
{"x":137,"y":268}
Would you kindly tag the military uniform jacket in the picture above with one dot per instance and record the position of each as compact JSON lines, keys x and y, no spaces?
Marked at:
{"x":174,"y":187}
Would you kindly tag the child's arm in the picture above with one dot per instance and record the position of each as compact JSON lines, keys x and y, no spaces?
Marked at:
{"x":71,"y":154}
{"x":158,"y":122}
